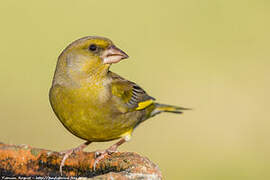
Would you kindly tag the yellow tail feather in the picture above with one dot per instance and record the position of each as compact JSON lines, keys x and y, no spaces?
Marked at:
{"x":167,"y":108}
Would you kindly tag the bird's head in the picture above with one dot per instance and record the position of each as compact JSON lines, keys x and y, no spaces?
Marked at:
{"x":90,"y":55}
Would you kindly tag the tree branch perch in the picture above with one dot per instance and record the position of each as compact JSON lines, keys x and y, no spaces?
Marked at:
{"x":23,"y":160}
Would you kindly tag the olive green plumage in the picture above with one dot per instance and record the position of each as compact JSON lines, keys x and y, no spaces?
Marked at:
{"x":94,"y":103}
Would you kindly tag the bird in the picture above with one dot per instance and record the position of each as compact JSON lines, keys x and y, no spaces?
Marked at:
{"x":94,"y":103}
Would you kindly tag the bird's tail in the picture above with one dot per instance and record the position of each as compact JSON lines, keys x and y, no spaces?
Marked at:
{"x":168,"y":108}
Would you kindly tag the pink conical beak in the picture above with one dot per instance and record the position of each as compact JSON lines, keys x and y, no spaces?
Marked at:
{"x":113,"y":55}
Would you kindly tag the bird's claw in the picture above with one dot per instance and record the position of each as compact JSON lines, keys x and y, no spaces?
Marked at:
{"x":66,"y":155}
{"x":99,"y":155}
{"x":111,"y":151}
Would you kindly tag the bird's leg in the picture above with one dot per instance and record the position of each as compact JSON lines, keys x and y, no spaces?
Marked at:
{"x":67,"y":153}
{"x":112,"y":149}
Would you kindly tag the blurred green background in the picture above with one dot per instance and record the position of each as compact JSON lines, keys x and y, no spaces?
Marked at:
{"x":210,"y":55}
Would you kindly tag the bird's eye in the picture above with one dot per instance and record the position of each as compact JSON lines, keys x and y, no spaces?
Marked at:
{"x":92,"y":47}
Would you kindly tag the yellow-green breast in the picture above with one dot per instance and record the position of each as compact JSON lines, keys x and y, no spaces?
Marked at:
{"x":88,"y":115}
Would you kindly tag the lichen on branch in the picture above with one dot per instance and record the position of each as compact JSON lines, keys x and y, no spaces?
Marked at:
{"x":26,"y":161}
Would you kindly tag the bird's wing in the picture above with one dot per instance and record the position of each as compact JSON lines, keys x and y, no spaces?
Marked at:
{"x":128,"y":94}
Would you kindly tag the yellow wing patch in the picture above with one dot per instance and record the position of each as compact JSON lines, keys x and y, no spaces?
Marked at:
{"x":144,"y":104}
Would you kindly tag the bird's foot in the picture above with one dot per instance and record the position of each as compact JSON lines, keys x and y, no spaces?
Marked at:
{"x":67,"y":153}
{"x":99,"y":155}
{"x":70,"y":151}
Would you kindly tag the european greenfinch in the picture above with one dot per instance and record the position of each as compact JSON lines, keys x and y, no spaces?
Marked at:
{"x":94,"y":103}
